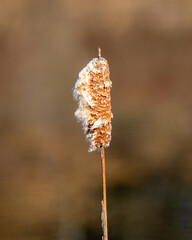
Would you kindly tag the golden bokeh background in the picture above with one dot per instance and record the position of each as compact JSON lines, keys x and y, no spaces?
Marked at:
{"x":50,"y":186}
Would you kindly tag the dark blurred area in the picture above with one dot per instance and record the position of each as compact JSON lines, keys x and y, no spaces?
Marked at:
{"x":50,"y":186}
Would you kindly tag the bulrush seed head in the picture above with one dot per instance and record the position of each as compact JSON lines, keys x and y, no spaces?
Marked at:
{"x":92,"y":91}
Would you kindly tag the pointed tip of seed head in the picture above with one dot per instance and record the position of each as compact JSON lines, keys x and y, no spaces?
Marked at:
{"x":99,"y":52}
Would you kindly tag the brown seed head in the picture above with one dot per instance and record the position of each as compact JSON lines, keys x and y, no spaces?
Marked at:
{"x":92,"y":90}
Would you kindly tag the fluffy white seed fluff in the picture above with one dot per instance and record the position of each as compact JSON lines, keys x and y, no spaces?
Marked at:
{"x":92,"y":91}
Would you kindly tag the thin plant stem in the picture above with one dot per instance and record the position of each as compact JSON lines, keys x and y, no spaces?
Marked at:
{"x":104,"y":201}
{"x":99,"y":52}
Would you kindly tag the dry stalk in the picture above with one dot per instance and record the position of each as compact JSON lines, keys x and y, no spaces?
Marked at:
{"x":104,"y":202}
{"x":92,"y":90}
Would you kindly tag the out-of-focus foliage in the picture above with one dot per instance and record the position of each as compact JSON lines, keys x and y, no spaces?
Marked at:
{"x":50,"y":186}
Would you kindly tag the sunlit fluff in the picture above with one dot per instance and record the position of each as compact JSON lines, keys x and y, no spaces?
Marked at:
{"x":92,"y":91}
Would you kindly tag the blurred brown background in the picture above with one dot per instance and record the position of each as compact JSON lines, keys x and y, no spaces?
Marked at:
{"x":50,"y":186}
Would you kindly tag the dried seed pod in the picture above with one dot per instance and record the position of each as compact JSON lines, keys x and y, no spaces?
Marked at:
{"x":92,"y":90}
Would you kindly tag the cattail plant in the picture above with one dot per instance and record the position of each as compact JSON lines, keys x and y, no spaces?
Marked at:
{"x":92,"y":91}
